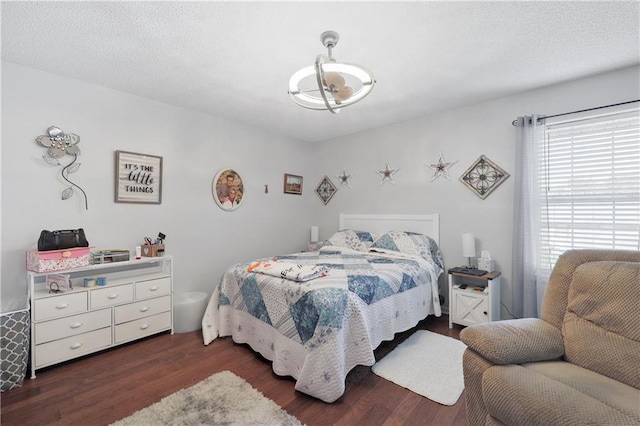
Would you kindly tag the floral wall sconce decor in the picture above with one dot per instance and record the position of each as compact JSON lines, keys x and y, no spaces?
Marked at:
{"x":61,"y":144}
{"x":483,"y":177}
{"x":325,"y":190}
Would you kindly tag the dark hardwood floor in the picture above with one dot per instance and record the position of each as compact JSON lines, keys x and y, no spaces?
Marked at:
{"x":107,"y":386}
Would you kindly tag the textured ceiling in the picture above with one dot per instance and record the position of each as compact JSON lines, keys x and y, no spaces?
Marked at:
{"x":234,"y":59}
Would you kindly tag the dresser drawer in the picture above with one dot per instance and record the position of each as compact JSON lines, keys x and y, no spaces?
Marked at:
{"x":143,"y":327}
{"x":64,"y":304}
{"x":144,"y":308}
{"x":72,"y":347}
{"x":71,"y":326}
{"x":153,"y":288}
{"x":111,"y":295}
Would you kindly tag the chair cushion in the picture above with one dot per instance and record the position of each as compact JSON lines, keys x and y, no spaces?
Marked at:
{"x":556,"y":392}
{"x":600,"y":328}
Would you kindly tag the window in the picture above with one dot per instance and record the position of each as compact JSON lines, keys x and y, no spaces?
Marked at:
{"x":589,"y":183}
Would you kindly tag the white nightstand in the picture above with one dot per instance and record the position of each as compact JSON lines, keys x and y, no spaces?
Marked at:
{"x":477,"y":303}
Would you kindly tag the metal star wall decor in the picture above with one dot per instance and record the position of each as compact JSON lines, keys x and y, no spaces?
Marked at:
{"x":441,"y":168}
{"x":344,"y":178}
{"x":387,"y":174}
{"x":483,"y":177}
{"x":325,"y":190}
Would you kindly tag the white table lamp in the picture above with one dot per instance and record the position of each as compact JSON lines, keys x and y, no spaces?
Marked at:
{"x":314,"y":234}
{"x":468,"y":247}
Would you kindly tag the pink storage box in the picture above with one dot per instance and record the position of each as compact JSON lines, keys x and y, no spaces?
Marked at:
{"x":55,"y":260}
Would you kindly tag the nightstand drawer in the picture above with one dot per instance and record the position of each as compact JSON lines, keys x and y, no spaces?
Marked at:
{"x":72,"y":347}
{"x":153,"y":288}
{"x":143,"y":327}
{"x":56,"y":306}
{"x":145,"y":308}
{"x":71,"y":326}
{"x":111,"y":296}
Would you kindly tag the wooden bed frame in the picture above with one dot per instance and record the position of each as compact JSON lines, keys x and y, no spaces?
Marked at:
{"x":428,"y":224}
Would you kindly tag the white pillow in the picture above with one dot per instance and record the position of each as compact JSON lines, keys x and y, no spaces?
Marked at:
{"x":355,"y":240}
{"x":411,"y":243}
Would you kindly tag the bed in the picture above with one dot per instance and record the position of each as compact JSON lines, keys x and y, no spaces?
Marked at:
{"x":316,"y":315}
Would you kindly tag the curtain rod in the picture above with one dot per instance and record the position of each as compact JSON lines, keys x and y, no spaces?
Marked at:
{"x":514,"y":122}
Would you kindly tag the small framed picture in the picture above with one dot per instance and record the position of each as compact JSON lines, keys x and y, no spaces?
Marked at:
{"x":228,"y":189}
{"x":292,"y":184}
{"x":138,"y":178}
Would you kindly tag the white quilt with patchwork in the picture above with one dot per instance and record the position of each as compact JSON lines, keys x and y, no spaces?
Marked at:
{"x":317,"y":331}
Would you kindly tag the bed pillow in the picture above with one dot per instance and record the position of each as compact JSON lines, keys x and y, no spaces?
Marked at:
{"x":355,"y":240}
{"x":411,"y":243}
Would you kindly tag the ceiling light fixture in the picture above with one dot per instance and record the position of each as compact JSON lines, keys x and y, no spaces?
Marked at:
{"x":329,"y":84}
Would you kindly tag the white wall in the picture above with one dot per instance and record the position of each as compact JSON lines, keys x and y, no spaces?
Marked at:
{"x":204,"y":239}
{"x":462,"y":135}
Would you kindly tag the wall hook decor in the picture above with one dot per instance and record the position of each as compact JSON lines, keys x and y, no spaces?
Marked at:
{"x":61,"y":144}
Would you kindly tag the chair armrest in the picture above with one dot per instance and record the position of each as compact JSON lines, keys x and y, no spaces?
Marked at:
{"x":515,"y":341}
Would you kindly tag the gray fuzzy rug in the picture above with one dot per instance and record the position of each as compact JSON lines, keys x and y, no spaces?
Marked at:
{"x":221,"y":399}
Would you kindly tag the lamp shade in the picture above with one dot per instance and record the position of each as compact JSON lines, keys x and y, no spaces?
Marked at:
{"x":314,"y":233}
{"x":468,"y":245}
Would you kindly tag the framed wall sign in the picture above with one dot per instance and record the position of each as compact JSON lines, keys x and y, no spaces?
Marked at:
{"x":138,"y":178}
{"x":228,"y":189}
{"x":292,"y":184}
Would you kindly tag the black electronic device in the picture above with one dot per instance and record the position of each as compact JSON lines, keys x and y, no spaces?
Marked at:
{"x":468,"y":271}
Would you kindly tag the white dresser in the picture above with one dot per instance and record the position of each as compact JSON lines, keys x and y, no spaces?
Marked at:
{"x":135,"y":302}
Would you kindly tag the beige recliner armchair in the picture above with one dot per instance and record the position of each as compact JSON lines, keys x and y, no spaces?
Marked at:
{"x":579,"y":364}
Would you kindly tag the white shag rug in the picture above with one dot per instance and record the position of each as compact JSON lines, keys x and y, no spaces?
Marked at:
{"x":428,"y":364}
{"x":221,"y":399}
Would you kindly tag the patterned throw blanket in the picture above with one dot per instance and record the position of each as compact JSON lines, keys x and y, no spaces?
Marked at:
{"x":318,"y":330}
{"x":288,"y":270}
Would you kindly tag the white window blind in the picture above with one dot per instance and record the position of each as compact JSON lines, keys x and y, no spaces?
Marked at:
{"x":589,"y":177}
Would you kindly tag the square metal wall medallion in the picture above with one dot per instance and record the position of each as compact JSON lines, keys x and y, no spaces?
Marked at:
{"x":483,"y":177}
{"x":325,"y":190}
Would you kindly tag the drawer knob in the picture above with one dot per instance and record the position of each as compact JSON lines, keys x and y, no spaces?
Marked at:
{"x":144,"y":326}
{"x":113,"y":296}
{"x":75,"y":345}
{"x":144,"y":309}
{"x":76,"y":325}
{"x":154,"y":288}
{"x":62,"y":306}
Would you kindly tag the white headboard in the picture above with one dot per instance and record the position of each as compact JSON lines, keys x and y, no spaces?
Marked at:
{"x":428,"y":224}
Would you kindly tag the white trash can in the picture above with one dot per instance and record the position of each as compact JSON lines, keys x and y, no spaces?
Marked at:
{"x":188,"y":310}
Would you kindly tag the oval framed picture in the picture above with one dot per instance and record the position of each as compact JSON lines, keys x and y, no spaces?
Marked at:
{"x":228,"y":189}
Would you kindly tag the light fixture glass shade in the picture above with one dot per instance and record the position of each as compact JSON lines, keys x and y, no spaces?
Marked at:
{"x":468,"y":245}
{"x":330,"y":85}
